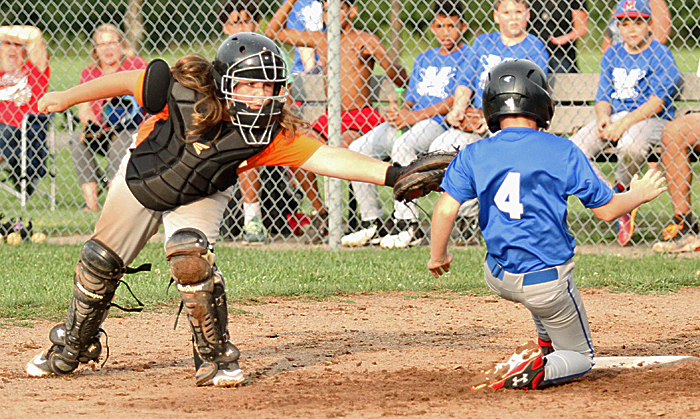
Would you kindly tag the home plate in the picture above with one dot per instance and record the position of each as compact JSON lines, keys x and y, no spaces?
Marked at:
{"x":609,"y":362}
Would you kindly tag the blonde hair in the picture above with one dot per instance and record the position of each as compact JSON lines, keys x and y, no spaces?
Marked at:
{"x":194,"y":72}
{"x":109,"y":28}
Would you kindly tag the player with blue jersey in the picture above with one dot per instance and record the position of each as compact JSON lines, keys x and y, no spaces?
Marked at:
{"x":427,"y":100}
{"x":634,"y":101}
{"x":307,"y":15}
{"x":523,"y":206}
{"x":510,"y":42}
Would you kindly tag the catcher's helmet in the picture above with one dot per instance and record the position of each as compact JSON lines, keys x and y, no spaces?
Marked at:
{"x":517,"y":87}
{"x":251,"y":56}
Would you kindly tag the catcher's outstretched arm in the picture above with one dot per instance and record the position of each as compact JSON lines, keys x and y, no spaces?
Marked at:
{"x":346,"y":164}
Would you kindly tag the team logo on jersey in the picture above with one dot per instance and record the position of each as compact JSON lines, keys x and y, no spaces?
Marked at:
{"x":435,"y":82}
{"x":626,"y":83}
{"x":198,"y":147}
{"x":14,"y":87}
{"x":312,"y":16}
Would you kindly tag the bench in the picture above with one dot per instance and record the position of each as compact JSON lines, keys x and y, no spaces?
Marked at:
{"x":574,"y":98}
{"x":310,"y":92}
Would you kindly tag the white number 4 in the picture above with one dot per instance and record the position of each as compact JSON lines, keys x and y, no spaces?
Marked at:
{"x":507,"y":198}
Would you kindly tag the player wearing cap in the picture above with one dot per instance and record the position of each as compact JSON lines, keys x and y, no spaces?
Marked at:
{"x":634,"y":102}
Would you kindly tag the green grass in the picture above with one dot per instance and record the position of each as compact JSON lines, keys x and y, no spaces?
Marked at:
{"x":37,"y":279}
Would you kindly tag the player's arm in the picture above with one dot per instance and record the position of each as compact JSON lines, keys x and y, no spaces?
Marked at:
{"x":580,"y":29}
{"x":653,"y":106}
{"x":346,"y":164}
{"x":276,"y":29}
{"x":641,"y":191}
{"x":661,"y":20}
{"x":461,"y":97}
{"x":116,"y":84}
{"x":443,"y":221}
{"x":395,"y":71}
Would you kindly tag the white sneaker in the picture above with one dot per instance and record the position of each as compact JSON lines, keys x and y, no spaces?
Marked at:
{"x":359,"y":238}
{"x":411,"y":236}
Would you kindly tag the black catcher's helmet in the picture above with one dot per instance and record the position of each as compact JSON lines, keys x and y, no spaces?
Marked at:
{"x":251,"y":56}
{"x":517,"y":87}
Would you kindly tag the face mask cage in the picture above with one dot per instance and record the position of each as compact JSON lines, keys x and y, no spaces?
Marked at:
{"x":256,"y":124}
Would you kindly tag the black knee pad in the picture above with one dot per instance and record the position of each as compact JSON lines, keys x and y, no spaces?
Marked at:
{"x":99,"y":270}
{"x":190,"y":256}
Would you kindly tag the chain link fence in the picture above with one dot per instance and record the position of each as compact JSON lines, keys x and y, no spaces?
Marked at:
{"x":61,"y":178}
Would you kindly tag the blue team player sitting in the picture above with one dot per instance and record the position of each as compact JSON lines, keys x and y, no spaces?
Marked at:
{"x":522,"y":178}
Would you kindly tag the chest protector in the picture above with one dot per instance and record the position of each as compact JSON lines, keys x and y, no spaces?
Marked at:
{"x":166,"y":171}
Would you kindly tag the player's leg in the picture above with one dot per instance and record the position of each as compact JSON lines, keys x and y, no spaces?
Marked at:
{"x":405,"y":149}
{"x":680,"y":136}
{"x":589,"y":142}
{"x":191,"y":232}
{"x":85,"y":169}
{"x":123,"y":229}
{"x":557,"y":304}
{"x":376,"y":144}
{"x":253,"y":228}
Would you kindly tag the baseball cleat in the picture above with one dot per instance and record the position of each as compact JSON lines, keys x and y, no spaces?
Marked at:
{"x":39,"y":366}
{"x":254,"y":232}
{"x":625,"y":227}
{"x":524,"y":369}
{"x":681,"y":227}
{"x":228,"y":378}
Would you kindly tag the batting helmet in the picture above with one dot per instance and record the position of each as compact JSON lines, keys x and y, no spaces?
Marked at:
{"x":517,"y":87}
{"x":251,"y":56}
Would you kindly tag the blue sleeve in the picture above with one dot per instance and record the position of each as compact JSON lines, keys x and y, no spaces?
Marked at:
{"x":459,"y":179}
{"x":470,"y":70}
{"x":410,"y":95}
{"x":665,"y":78}
{"x":605,"y":88}
{"x":294,"y":20}
{"x":583,"y":182}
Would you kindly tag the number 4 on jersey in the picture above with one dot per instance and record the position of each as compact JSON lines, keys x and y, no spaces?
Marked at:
{"x":507,"y":198}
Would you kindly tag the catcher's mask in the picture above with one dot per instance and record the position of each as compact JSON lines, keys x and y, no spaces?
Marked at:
{"x":251,"y":57}
{"x":517,"y":87}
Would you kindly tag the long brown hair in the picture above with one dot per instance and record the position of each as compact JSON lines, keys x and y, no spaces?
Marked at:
{"x":194,"y":72}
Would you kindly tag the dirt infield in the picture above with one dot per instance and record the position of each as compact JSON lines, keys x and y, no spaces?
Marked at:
{"x":370,"y":356}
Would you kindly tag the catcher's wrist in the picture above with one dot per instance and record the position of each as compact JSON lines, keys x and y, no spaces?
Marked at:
{"x":392,"y":174}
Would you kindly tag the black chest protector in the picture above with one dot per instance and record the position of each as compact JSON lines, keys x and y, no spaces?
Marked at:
{"x":165,"y":171}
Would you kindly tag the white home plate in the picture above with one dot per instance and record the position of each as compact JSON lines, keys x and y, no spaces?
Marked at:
{"x":608,"y":362}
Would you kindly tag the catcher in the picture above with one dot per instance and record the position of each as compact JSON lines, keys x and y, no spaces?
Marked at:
{"x":211,"y":121}
{"x":523,"y":201}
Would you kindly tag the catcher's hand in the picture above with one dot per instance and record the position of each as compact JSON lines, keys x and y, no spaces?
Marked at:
{"x":423,"y":175}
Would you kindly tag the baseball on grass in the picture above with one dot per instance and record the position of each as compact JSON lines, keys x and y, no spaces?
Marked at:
{"x":38,"y":237}
{"x":14,"y":238}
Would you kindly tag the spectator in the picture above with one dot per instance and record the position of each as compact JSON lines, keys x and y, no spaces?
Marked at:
{"x":559,"y":24}
{"x":24,"y":78}
{"x":429,"y":97}
{"x":307,"y":15}
{"x":634,"y":100}
{"x":359,"y":52}
{"x":681,"y":136}
{"x":511,"y":42}
{"x":110,"y":53}
{"x":660,"y":24}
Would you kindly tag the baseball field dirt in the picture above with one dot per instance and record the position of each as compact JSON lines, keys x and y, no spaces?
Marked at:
{"x":365,"y":356}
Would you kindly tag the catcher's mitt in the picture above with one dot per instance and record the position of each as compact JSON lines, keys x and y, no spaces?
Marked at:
{"x":423,"y":175}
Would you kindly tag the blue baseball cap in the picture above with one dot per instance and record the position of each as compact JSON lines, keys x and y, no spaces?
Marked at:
{"x":633,"y":8}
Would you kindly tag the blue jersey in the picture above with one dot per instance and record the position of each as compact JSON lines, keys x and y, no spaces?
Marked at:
{"x":491,"y":50}
{"x":307,"y":15}
{"x":434,"y":77}
{"x":522,"y":178}
{"x":628,"y":80}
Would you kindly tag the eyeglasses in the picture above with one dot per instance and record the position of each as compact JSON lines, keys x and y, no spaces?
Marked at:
{"x":12,"y":44}
{"x":107,"y":44}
